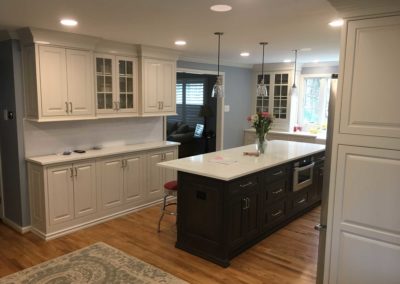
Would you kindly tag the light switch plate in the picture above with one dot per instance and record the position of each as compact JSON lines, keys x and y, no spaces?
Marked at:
{"x":227,"y":108}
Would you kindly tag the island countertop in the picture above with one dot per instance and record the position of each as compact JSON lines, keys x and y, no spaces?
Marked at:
{"x":231,"y":163}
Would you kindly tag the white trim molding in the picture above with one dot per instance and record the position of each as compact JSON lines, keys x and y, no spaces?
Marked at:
{"x":16,"y":227}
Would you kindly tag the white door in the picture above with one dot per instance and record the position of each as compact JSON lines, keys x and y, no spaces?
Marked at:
{"x":53,"y":81}
{"x":155,"y":178}
{"x":133,"y":179}
{"x":60,"y":194}
{"x":80,"y":82}
{"x":167,"y":85}
{"x":84,"y":189}
{"x":111,"y":182}
{"x":150,"y":86}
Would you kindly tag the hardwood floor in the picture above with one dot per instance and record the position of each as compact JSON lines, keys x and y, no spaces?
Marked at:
{"x":287,"y":256}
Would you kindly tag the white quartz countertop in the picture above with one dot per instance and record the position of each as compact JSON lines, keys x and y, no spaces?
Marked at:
{"x":106,"y":151}
{"x":230,"y":164}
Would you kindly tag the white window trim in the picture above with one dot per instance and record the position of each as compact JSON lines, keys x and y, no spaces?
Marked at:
{"x":301,"y":92}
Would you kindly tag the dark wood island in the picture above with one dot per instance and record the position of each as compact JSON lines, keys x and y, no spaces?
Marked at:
{"x":227,"y":202}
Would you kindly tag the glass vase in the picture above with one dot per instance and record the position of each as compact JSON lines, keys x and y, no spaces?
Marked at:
{"x":261,"y":143}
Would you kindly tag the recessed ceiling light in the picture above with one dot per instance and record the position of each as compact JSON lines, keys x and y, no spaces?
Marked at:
{"x":180,"y":42}
{"x":336,"y":23}
{"x":244,"y":54}
{"x":287,"y":60}
{"x":221,"y":8}
{"x":69,"y":22}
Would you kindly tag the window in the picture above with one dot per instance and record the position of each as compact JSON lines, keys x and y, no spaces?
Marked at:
{"x":314,"y":100}
{"x":189,"y":100}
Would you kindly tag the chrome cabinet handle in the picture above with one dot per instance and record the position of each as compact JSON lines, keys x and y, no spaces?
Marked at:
{"x":246,"y":184}
{"x":162,"y":105}
{"x":278,"y":191}
{"x":310,"y":166}
{"x":248,"y":203}
{"x":66,"y":107}
{"x":76,"y":172}
{"x":277,"y":173}
{"x":70,"y":104}
{"x":72,"y":172}
{"x":279,"y":212}
{"x":301,"y":201}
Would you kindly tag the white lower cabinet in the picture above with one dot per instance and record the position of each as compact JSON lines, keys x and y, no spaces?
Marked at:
{"x":65,"y":197}
{"x":157,"y":175}
{"x":71,"y":191}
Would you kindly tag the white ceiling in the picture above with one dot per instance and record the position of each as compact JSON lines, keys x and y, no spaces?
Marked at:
{"x":286,"y":24}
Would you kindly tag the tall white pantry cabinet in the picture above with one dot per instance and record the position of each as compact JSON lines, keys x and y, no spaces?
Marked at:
{"x":363,"y":234}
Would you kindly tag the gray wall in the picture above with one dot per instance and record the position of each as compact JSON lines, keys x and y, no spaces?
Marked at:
{"x":16,"y":204}
{"x":237,"y":95}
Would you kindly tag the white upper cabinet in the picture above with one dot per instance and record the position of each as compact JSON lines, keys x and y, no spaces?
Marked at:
{"x":53,"y":81}
{"x":80,"y":82}
{"x":116,"y":85}
{"x":158,"y":87}
{"x":62,"y":86}
{"x":75,"y":77}
{"x":370,"y":94}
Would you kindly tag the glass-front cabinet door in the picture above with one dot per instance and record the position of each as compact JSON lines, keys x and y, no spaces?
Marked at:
{"x":116,"y":85}
{"x":105,"y":70}
{"x":127,"y":84}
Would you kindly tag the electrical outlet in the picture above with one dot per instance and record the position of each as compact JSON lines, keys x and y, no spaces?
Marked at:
{"x":227,"y":108}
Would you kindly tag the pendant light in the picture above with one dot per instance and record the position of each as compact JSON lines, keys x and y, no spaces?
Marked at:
{"x":293,"y":91}
{"x":261,"y":87}
{"x":218,"y":89}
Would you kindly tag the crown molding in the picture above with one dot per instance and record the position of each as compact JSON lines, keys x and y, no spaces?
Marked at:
{"x":213,"y":62}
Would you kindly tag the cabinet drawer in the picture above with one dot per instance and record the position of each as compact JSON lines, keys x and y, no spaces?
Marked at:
{"x":275,"y":212}
{"x":300,"y":200}
{"x":276,"y":190}
{"x":243,"y":185}
{"x":276,"y":173}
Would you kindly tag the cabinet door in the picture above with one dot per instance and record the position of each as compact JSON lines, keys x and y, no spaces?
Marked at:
{"x":155,"y":178}
{"x":80,"y":82}
{"x":84,"y":189}
{"x":150,"y":86}
{"x":60,"y":194}
{"x":105,"y":84}
{"x":127,"y":94}
{"x":167,"y":86}
{"x":252,"y":215}
{"x":53,"y":81}
{"x":237,"y":214}
{"x":168,"y":174}
{"x":133,"y":179}
{"x":111,"y":182}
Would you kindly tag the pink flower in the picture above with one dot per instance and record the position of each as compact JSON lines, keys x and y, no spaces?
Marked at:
{"x":249,"y":118}
{"x":265,"y":114}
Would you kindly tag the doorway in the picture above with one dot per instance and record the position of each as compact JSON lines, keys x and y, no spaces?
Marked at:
{"x":198,"y":123}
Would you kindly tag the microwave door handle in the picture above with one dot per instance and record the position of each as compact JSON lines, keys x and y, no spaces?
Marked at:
{"x":310,"y":166}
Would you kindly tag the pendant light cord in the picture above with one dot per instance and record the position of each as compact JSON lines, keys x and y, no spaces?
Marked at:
{"x":295,"y":67}
{"x":262,"y":67}
{"x":219,"y":49}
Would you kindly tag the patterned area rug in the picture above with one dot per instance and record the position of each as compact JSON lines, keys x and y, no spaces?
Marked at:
{"x":98,"y":263}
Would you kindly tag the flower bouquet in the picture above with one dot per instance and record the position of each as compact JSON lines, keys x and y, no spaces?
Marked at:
{"x":262,"y":122}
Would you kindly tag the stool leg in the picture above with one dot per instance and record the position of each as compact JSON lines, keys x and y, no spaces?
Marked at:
{"x":162,"y":213}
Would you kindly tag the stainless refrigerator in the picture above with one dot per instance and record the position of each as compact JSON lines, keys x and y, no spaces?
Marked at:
{"x":321,"y":227}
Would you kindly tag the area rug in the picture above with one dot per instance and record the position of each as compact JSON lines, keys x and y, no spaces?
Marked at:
{"x":98,"y":263}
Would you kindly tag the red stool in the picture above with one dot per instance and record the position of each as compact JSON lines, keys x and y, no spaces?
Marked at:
{"x":170,"y":189}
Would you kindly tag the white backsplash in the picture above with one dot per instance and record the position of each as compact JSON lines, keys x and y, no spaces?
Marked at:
{"x":55,"y":137}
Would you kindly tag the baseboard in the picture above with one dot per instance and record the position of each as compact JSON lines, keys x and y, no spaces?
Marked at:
{"x":16,"y":227}
{"x":103,"y":219}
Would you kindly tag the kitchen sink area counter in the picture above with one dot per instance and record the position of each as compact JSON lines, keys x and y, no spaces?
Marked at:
{"x":228,"y":201}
